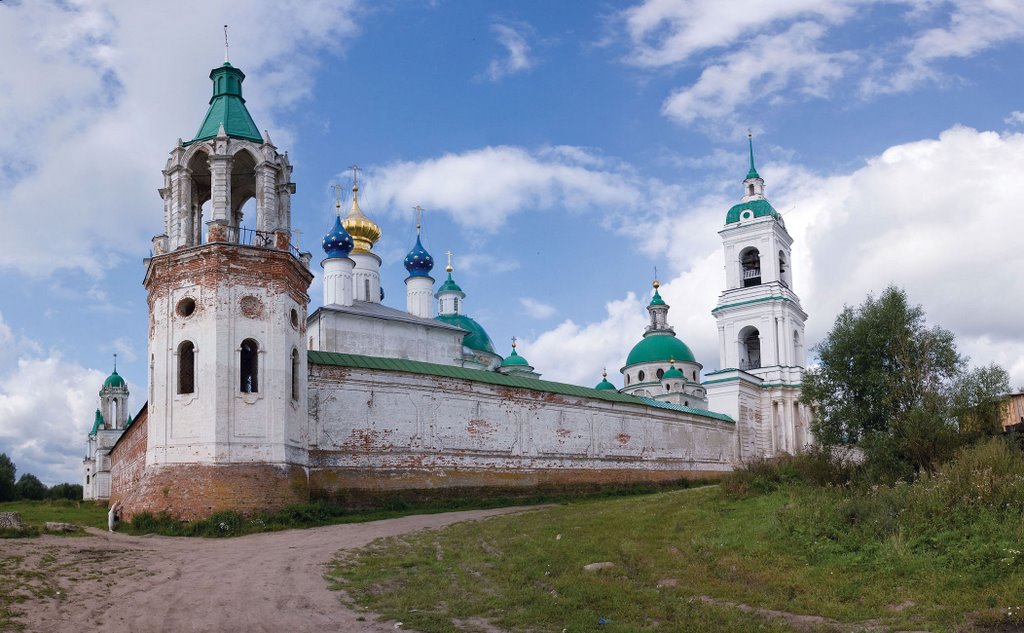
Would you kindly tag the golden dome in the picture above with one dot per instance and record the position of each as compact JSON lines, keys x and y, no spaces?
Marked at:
{"x":364,"y":231}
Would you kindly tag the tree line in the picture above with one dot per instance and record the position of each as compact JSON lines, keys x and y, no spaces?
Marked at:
{"x":29,"y":487}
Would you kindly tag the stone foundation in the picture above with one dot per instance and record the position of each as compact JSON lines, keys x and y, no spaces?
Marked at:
{"x":196,"y":491}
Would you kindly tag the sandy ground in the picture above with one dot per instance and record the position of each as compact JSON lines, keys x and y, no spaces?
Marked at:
{"x":263,"y":582}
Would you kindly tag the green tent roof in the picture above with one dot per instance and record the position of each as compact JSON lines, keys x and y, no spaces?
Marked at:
{"x":449,"y":285}
{"x":227,"y":108}
{"x":476,"y":337}
{"x":659,"y":348}
{"x":656,"y":300}
{"x":97,"y":423}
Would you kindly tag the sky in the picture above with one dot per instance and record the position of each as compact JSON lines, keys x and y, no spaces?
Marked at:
{"x":561,"y":151}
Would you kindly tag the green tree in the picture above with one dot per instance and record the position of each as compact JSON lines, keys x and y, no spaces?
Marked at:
{"x":29,"y":487}
{"x":66,"y":491}
{"x":7,"y":470}
{"x":897,"y":387}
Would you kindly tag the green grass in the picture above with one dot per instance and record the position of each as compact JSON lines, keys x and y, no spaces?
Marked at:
{"x":37,"y":513}
{"x":709,"y":552}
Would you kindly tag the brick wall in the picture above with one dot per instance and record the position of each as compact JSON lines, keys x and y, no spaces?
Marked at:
{"x":128,"y":458}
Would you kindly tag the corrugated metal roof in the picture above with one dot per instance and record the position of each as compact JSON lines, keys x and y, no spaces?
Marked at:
{"x":494,"y":378}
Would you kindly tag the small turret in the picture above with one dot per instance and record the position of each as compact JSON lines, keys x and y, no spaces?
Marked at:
{"x":419,"y":286}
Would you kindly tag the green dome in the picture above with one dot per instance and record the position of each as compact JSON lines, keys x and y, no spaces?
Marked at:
{"x":659,"y":348}
{"x":514,"y":360}
{"x":673,"y":373}
{"x":476,"y":337}
{"x":114,"y":381}
{"x":449,"y":285}
{"x":604,"y":385}
{"x":760,"y":208}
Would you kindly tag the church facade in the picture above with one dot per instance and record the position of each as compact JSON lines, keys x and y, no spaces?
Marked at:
{"x":254,"y":403}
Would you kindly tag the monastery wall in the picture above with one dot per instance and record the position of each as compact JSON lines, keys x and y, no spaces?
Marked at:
{"x":373,"y":430}
{"x":128,"y":459}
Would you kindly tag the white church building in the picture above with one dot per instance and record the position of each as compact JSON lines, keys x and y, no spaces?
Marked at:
{"x":254,"y":403}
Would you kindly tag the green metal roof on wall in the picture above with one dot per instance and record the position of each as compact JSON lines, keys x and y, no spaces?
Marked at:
{"x":495,"y":378}
{"x":476,"y":337}
{"x":227,"y":108}
{"x":761,"y":208}
{"x":660,"y":348}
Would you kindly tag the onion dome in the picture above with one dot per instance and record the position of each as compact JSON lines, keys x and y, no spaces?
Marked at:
{"x":673,"y":372}
{"x":418,"y":262}
{"x":656,"y":300}
{"x":113,"y":381}
{"x":365,"y":232}
{"x":449,"y":285}
{"x":660,"y":349}
{"x":338,"y":243}
{"x":476,"y":337}
{"x":514,"y":359}
{"x":604,"y":385}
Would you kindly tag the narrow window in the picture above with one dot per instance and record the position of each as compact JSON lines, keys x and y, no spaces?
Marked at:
{"x":750,"y":190}
{"x":660,"y":372}
{"x":456,"y":305}
{"x":186,"y":367}
{"x":366,"y":287}
{"x":249,"y":366}
{"x":640,"y":376}
{"x":295,"y":374}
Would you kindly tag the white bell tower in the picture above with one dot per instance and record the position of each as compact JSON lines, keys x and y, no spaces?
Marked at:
{"x":760,"y":328}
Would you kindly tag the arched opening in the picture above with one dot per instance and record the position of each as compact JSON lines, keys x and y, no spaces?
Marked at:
{"x":112,"y":422}
{"x":248,"y":366}
{"x":750,"y":189}
{"x":750,"y":348}
{"x":627,"y":379}
{"x":783,"y":269}
{"x":750,"y":267}
{"x":695,"y":375}
{"x":243,"y":189}
{"x":186,"y":367}
{"x":192,"y":223}
{"x":660,"y":373}
{"x":798,"y":349}
{"x":295,"y":374}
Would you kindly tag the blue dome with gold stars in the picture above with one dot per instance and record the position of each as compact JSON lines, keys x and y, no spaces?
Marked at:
{"x":419,"y":262}
{"x":338,"y":243}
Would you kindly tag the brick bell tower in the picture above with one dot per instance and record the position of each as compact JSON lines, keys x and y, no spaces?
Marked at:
{"x":227,"y":317}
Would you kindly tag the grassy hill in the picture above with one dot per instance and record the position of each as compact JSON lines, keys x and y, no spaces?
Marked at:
{"x":942,"y":554}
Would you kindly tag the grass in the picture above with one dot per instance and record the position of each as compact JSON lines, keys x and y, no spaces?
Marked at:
{"x":692,"y":558}
{"x":319,"y":513}
{"x":35,"y":514}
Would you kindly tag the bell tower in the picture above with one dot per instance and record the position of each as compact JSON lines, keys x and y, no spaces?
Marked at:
{"x":227,"y":315}
{"x":760,"y":327}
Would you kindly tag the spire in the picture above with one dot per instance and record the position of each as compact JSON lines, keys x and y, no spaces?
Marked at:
{"x":750,"y":142}
{"x":227,"y":59}
{"x":364,"y":231}
{"x":227,"y":111}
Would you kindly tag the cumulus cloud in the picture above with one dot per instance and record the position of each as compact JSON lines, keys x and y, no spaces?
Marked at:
{"x":517,"y":59}
{"x":537,"y":309}
{"x":481,"y":264}
{"x":91,"y":74}
{"x":770,"y":65}
{"x":1015,"y":118}
{"x":481,"y":188}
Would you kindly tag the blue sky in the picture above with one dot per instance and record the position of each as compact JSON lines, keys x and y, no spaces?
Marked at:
{"x":561,"y":151}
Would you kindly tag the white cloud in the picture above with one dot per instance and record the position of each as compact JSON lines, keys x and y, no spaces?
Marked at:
{"x":480,"y":264}
{"x":1015,"y":118}
{"x":575,"y":354}
{"x":667,"y":32}
{"x":512,"y":36}
{"x":94,"y":73}
{"x":771,"y":65}
{"x":537,"y":309}
{"x":481,"y":188}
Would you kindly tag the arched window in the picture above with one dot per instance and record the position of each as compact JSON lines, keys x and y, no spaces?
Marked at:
{"x":660,"y":372}
{"x":456,"y":304}
{"x":627,"y":379}
{"x":750,"y":348}
{"x":640,"y":376}
{"x":695,"y":375}
{"x":783,"y":269}
{"x":750,"y":190}
{"x":798,"y":349}
{"x":295,"y":374}
{"x":366,"y":290}
{"x":750,"y":267}
{"x":186,"y":367}
{"x":249,"y":366}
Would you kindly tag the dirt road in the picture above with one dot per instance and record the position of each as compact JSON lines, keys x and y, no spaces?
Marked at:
{"x":264,"y":582}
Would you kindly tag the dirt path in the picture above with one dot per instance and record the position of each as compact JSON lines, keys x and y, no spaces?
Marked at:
{"x":263,"y":582}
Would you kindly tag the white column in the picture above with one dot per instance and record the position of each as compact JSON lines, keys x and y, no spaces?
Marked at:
{"x":338,"y":281}
{"x":419,"y":296}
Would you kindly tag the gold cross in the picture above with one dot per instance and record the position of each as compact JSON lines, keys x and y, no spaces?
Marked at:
{"x":355,"y":174}
{"x":513,"y":342}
